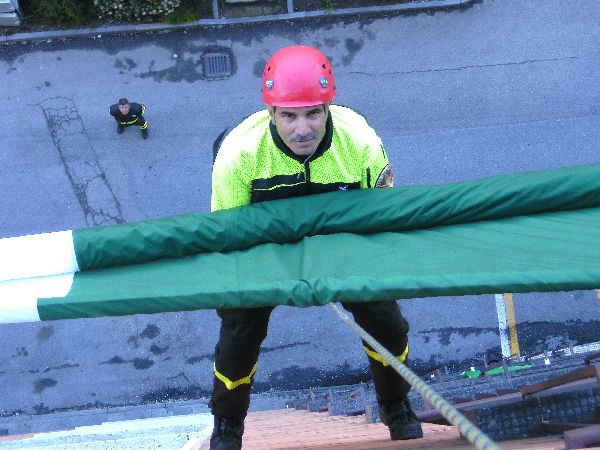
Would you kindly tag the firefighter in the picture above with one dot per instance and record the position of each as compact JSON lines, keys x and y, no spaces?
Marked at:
{"x":300,"y":144}
{"x":129,"y":114}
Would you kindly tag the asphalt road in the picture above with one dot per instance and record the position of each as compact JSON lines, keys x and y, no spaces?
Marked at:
{"x":495,"y":88}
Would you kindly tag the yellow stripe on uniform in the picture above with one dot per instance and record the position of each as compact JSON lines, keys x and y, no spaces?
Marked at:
{"x":233,"y":384}
{"x":272,"y":188}
{"x":512,"y":325}
{"x":377,"y":357}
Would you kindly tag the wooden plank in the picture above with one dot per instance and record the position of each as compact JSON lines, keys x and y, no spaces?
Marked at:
{"x":576,"y":375}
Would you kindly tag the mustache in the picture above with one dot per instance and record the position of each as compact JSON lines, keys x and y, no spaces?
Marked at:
{"x":302,"y":137}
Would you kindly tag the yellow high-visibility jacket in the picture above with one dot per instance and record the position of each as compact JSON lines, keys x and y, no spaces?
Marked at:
{"x":253,"y":163}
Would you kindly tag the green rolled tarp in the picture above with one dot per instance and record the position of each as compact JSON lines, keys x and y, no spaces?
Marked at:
{"x":359,"y":212}
{"x":528,"y":232}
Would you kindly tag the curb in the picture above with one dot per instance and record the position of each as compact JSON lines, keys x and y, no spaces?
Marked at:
{"x":115,"y":29}
{"x":60,"y":420}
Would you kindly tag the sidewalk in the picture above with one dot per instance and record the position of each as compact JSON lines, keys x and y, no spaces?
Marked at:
{"x":416,"y":6}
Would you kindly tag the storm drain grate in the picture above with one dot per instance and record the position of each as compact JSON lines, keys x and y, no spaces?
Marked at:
{"x":217,"y":65}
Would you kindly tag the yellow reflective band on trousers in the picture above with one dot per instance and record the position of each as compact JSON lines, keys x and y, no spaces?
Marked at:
{"x":377,"y":357}
{"x":143,"y":127}
{"x":233,"y":384}
{"x":128,"y":123}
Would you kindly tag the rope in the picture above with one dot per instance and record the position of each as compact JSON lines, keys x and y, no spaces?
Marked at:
{"x":473,"y":434}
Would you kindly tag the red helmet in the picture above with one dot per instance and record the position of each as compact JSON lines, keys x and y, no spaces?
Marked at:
{"x":298,"y":76}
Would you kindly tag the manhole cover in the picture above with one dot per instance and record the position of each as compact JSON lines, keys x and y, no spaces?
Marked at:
{"x":217,"y":65}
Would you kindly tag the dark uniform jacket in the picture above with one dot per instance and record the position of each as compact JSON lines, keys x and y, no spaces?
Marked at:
{"x":135,"y":113}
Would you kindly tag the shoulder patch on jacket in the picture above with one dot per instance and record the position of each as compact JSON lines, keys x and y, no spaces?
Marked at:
{"x":385,"y":178}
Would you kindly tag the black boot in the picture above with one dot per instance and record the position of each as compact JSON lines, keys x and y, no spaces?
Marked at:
{"x":144,"y":133}
{"x":227,"y":434}
{"x":401,"y":420}
{"x":120,"y":128}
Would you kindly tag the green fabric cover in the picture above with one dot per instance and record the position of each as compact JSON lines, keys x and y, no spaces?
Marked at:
{"x":340,"y":247}
{"x":497,"y":371}
{"x":360,"y":212}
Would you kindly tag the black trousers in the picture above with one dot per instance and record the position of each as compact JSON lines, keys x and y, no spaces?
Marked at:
{"x":139,"y":122}
{"x":243,"y":330}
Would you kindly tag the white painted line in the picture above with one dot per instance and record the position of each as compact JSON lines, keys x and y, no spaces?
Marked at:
{"x":19,"y":298}
{"x":503,"y":326}
{"x":37,"y":255}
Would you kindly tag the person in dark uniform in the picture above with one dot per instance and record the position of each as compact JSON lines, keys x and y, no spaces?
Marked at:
{"x":300,"y":144}
{"x":128,"y":114}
